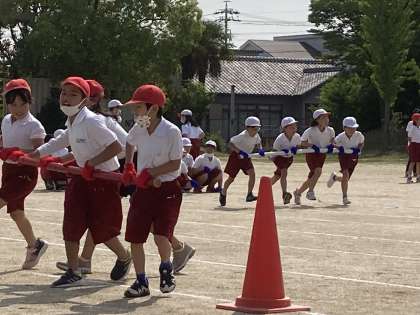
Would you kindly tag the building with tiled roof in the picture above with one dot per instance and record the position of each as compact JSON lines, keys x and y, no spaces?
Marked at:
{"x":267,"y":87}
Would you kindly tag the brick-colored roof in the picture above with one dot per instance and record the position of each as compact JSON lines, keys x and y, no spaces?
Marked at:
{"x":270,"y":76}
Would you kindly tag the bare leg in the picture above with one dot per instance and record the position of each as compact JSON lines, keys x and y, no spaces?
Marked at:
{"x":139,"y":259}
{"x":24,"y":227}
{"x":72,"y":252}
{"x":314,"y":179}
{"x":283,"y":180}
{"x":176,"y":243}
{"x":115,"y":245}
{"x":164,"y":247}
{"x":410,"y":169}
{"x":228,"y":182}
{"x":88,"y":247}
{"x":345,"y":182}
{"x":274,"y":179}
{"x":251,"y":180}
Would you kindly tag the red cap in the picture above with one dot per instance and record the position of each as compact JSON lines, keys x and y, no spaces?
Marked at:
{"x":96,"y":89}
{"x":78,"y":82}
{"x":15,"y":85}
{"x":415,"y":116}
{"x":148,"y":94}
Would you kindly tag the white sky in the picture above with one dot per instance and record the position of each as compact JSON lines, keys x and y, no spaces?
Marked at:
{"x":268,"y":18}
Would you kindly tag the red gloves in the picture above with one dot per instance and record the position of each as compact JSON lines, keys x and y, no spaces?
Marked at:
{"x":142,"y":181}
{"x":15,"y":155}
{"x":129,"y":174}
{"x":5,"y":153}
{"x":87,"y":172}
{"x":45,"y":161}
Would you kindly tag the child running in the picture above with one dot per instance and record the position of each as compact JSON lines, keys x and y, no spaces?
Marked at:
{"x":89,"y":203}
{"x":207,"y":170}
{"x":349,"y":139}
{"x":318,"y":136}
{"x":414,"y":148}
{"x":241,"y":146}
{"x":191,"y":129}
{"x":156,"y":203}
{"x":288,"y":142}
{"x":20,"y":132}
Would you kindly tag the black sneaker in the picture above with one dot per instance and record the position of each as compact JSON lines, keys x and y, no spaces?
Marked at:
{"x":69,"y":279}
{"x":137,"y":290}
{"x":250,"y":197}
{"x":49,"y":185}
{"x":222,"y":199}
{"x":167,"y":280}
{"x":121,"y":269}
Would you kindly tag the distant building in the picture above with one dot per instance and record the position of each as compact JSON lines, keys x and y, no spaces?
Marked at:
{"x":269,"y":88}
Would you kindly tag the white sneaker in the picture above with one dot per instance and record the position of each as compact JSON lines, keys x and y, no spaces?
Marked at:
{"x":331,"y":180}
{"x":297,"y":197}
{"x":310,"y":195}
{"x":346,"y":201}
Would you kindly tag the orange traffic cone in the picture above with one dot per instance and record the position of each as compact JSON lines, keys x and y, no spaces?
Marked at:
{"x":263,"y":289}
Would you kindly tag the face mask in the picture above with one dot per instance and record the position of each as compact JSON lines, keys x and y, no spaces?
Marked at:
{"x":209,"y":155}
{"x":143,"y":121}
{"x":183,"y":119}
{"x":119,"y":119}
{"x":70,"y":111}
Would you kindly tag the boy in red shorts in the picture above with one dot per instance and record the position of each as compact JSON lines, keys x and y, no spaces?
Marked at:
{"x":241,"y":146}
{"x":89,"y":203}
{"x":156,"y":203}
{"x":20,"y":132}
{"x":350,"y":139}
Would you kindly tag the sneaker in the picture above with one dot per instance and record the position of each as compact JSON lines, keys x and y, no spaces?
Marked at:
{"x":297,"y":197}
{"x":181,"y":257}
{"x":287,"y":197}
{"x":331,"y":180}
{"x":49,"y":185}
{"x":346,"y":201}
{"x":137,"y":290}
{"x":222,"y":199}
{"x":69,"y":279}
{"x":409,"y":180}
{"x":121,"y":268}
{"x":250,"y":197}
{"x":167,"y":280}
{"x":418,"y":179}
{"x":310,"y":195}
{"x":85,"y":266}
{"x":34,"y":254}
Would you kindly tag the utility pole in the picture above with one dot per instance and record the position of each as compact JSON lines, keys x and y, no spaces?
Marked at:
{"x":227,"y":14}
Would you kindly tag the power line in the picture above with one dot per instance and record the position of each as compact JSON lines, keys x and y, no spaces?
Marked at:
{"x":226,"y":15}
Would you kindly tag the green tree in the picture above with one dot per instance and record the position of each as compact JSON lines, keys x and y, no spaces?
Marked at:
{"x":387,"y":31}
{"x":206,"y":55}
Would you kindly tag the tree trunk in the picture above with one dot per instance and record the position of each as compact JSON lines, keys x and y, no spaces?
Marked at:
{"x":385,"y":126}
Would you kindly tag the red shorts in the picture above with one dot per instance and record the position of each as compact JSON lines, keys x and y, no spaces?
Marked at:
{"x":17,"y":182}
{"x":211,"y":176}
{"x":282,"y":163}
{"x":53,"y":176}
{"x":93,"y":205}
{"x":314,"y":161}
{"x":153,"y":206}
{"x":195,"y":148}
{"x":414,"y":150}
{"x":235,"y":164}
{"x":348,"y":162}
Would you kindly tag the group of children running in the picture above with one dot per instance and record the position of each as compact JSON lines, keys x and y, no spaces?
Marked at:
{"x":158,"y":162}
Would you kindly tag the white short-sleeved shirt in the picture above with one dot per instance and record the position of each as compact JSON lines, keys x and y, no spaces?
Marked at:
{"x":410,"y":126}
{"x":60,"y":153}
{"x":203,"y":161}
{"x":414,"y":134}
{"x":188,"y":160}
{"x":119,"y":131}
{"x":21,"y":132}
{"x":162,"y":146}
{"x":317,"y":137}
{"x":183,"y":168}
{"x":282,"y":142}
{"x":88,"y":136}
{"x":245,"y":142}
{"x":190,"y":131}
{"x":342,"y":140}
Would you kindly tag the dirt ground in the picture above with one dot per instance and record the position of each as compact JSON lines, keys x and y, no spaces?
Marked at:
{"x":361,"y":259}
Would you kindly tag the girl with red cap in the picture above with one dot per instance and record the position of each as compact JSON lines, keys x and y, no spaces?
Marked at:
{"x":156,"y":203}
{"x":21,"y":132}
{"x":89,"y":203}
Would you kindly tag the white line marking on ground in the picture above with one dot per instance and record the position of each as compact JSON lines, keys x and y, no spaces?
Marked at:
{"x":378,"y":283}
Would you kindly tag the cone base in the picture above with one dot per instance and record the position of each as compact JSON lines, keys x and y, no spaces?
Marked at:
{"x":260,"y":310}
